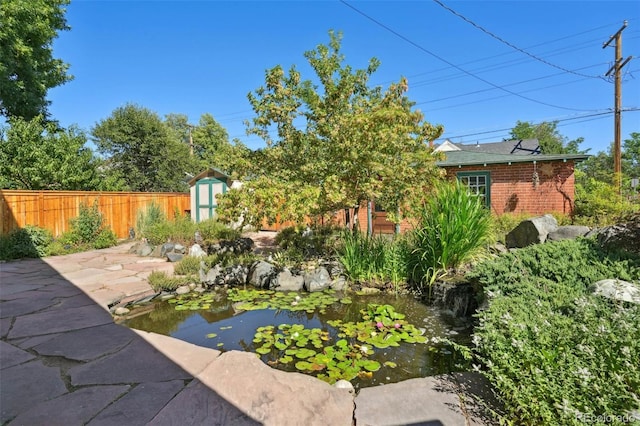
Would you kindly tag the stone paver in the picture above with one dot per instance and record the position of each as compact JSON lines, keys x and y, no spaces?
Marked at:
{"x":63,"y":361}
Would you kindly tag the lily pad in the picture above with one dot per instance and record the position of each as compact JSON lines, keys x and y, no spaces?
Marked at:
{"x":211,"y":335}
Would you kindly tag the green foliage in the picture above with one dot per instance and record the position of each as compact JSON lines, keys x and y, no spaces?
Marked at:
{"x":161,"y":281}
{"x":555,"y":353}
{"x":373,"y":259}
{"x":338,"y":144}
{"x":453,"y":225}
{"x":39,"y":155}
{"x":141,"y":150}
{"x":188,"y":265}
{"x":309,"y":242}
{"x":550,"y":139}
{"x":151,"y":215}
{"x":598,"y":203}
{"x":105,"y":238}
{"x":230,"y":259}
{"x":212,"y":230}
{"x":27,"y":66}
{"x":89,"y":223}
{"x":29,"y":241}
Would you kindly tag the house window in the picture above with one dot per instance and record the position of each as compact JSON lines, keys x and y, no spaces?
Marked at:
{"x":479,"y":183}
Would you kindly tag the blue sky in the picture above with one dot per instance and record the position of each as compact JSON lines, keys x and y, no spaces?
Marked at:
{"x":194,"y":57}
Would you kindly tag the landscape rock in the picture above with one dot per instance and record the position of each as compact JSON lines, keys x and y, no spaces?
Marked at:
{"x":234,"y":276}
{"x":156,"y":252}
{"x":237,"y":246}
{"x":615,"y":289}
{"x":179,"y":248}
{"x":144,"y":249}
{"x":568,"y":232}
{"x":196,"y":251}
{"x":624,"y":236}
{"x":318,"y":280}
{"x":262,"y":274}
{"x":174,"y":257}
{"x":166,"y":248}
{"x":339,"y":284}
{"x":209,"y":277}
{"x":345,"y":384}
{"x":183,"y":289}
{"x":121,"y":311}
{"x":531,"y":231}
{"x":286,"y":281}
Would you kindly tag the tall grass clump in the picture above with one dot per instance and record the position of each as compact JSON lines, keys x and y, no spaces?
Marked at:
{"x":453,"y":225}
{"x":554,"y":352}
{"x":29,"y":241}
{"x":146,"y":218}
{"x":372,"y":259}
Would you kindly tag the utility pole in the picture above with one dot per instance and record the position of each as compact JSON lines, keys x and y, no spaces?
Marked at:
{"x":616,"y":68}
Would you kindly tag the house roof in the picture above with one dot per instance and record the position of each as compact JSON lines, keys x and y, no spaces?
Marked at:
{"x":474,"y":158}
{"x":210,"y":172}
{"x":514,"y":147}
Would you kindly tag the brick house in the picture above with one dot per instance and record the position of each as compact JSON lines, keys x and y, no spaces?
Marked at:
{"x":511,"y":176}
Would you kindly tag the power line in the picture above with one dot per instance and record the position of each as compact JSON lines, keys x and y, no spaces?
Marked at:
{"x":454,"y":65}
{"x":484,"y":30}
{"x":561,"y":120}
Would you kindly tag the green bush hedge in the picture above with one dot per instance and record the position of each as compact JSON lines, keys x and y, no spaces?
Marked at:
{"x":555,"y":353}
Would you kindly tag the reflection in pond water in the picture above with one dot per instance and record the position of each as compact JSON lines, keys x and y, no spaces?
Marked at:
{"x":221,"y":326}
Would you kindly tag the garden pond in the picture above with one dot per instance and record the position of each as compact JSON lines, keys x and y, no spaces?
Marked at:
{"x":366,"y":339}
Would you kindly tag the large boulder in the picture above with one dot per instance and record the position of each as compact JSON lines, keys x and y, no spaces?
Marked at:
{"x":318,"y":280}
{"x":286,"y":281}
{"x":568,"y":232}
{"x":617,"y":290}
{"x":624,"y":236}
{"x":196,"y":251}
{"x":262,"y":275}
{"x":531,"y":231}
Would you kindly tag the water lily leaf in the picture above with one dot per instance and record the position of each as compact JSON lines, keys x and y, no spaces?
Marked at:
{"x":280,"y":346}
{"x":220,"y":344}
{"x":346,"y":301}
{"x":303,"y":365}
{"x":263,"y":350}
{"x":305,"y":353}
{"x":211,"y":335}
{"x":286,"y":359}
{"x":390,"y":364}
{"x":371,"y":365}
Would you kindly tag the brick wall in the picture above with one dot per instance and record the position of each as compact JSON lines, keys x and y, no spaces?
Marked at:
{"x":513,"y":188}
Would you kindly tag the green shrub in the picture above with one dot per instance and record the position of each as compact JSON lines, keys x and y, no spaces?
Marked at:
{"x":151,"y":215}
{"x":106,"y":238}
{"x":86,"y":227}
{"x":212,"y":230}
{"x":313,"y":242}
{"x":599,"y":204}
{"x":555,"y":353}
{"x":30,"y":241}
{"x":187,"y":265}
{"x":453,"y":225}
{"x":161,"y":281}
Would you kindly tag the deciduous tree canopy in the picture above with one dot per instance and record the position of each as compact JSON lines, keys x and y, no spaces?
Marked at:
{"x":27,"y":66}
{"x":339,"y":142}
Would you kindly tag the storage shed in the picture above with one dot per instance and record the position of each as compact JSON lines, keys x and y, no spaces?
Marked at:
{"x":204,"y":187}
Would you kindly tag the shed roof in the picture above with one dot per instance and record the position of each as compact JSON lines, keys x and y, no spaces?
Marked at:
{"x":210,"y":172}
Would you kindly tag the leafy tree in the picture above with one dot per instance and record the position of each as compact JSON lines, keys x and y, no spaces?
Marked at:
{"x":139,"y":149}
{"x":27,"y":66}
{"x":209,"y":144}
{"x":631,"y":156}
{"x":340,"y":142}
{"x":35,"y":154}
{"x":550,"y":139}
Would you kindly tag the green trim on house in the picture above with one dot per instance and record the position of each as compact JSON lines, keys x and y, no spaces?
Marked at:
{"x":476,"y":180}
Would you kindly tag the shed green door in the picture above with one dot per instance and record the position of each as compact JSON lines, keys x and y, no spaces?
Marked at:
{"x":206,"y":191}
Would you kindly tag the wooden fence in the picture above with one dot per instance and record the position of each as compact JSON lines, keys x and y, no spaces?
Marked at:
{"x":53,"y":209}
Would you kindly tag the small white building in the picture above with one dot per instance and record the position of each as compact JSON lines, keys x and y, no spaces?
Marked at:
{"x":204,"y":187}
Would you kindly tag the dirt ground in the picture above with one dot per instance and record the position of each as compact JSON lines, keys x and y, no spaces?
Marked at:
{"x":264,"y":240}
